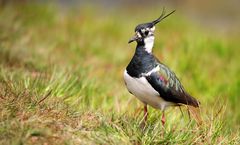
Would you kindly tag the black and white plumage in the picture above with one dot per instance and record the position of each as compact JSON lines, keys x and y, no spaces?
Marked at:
{"x":152,"y":82}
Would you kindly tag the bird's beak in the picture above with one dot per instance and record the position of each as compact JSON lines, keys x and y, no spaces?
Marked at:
{"x":134,"y":38}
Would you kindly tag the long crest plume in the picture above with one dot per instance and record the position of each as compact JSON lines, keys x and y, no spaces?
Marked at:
{"x":163,"y":16}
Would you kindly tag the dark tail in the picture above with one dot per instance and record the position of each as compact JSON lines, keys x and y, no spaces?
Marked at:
{"x":191,"y":101}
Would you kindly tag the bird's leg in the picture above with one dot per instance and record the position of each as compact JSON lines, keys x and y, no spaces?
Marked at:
{"x":145,"y":113}
{"x":163,"y":119}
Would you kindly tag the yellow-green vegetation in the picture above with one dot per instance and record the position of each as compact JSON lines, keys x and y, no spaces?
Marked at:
{"x":61,"y":78}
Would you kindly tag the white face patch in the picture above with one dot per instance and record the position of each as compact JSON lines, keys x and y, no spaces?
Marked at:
{"x":153,"y":29}
{"x":149,"y":41}
{"x":138,"y":34}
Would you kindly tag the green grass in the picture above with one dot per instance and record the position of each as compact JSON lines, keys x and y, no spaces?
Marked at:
{"x":61,"y":79}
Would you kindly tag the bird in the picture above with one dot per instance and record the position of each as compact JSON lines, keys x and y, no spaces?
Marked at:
{"x":150,"y":80}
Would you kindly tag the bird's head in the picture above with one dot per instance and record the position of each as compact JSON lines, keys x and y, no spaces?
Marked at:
{"x":145,"y":31}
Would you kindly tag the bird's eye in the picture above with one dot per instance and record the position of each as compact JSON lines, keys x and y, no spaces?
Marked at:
{"x":146,"y":32}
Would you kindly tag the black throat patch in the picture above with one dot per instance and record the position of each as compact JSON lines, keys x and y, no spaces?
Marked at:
{"x":142,"y":62}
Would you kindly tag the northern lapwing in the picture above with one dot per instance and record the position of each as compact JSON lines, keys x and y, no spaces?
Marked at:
{"x":151,"y":81}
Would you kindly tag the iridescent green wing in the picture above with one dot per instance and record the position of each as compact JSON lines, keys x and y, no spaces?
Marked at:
{"x":165,"y":82}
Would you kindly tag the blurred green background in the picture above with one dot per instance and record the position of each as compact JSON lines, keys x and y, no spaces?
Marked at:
{"x":70,"y":56}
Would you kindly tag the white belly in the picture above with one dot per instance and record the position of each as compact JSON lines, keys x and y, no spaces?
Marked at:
{"x":140,"y":88}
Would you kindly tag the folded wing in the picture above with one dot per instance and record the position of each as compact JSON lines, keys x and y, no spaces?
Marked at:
{"x":165,"y":82}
